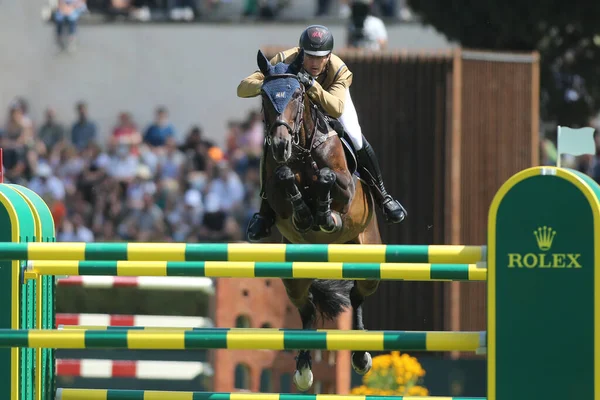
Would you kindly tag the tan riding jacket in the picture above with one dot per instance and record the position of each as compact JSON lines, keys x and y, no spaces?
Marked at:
{"x":329,"y":89}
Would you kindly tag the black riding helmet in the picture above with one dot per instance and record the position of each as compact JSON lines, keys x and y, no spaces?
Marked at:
{"x":316,"y":40}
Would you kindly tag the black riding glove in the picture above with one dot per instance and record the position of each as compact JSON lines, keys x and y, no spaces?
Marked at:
{"x":306,"y":79}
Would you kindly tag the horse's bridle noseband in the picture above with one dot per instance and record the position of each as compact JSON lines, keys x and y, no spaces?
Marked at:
{"x":295,"y":132}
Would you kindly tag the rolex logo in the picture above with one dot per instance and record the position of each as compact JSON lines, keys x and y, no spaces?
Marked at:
{"x":544,"y":237}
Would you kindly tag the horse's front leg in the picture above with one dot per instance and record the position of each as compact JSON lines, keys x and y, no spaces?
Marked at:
{"x":327,"y":220}
{"x":298,"y":291}
{"x":302,"y":218}
{"x":361,"y":360}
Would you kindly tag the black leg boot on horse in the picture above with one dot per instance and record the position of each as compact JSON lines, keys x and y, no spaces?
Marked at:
{"x":393,"y":211}
{"x":361,"y":360}
{"x":261,"y":223}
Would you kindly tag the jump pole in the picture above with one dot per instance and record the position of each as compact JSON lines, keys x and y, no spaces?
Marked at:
{"x":249,"y":269}
{"x":279,"y":252}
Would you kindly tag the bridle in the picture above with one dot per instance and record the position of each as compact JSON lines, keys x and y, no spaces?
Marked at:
{"x":295,"y":131}
{"x":302,"y":154}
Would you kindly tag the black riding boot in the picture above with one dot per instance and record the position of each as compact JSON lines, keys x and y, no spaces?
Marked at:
{"x":369,"y":170}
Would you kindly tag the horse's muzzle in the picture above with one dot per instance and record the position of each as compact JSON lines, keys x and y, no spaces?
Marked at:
{"x":281,"y":149}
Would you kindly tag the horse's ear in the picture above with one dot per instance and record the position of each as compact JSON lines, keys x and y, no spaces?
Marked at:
{"x":296,"y":65}
{"x":263,"y":64}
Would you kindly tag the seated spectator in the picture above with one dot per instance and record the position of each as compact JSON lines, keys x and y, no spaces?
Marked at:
{"x":217,"y":224}
{"x":186,"y":216}
{"x":140,"y":10}
{"x":227,"y":186}
{"x":126,"y":132}
{"x":123,"y":165}
{"x":23,"y":105}
{"x":141,"y":185}
{"x":254,"y":136}
{"x":78,"y":205}
{"x":44,"y":182}
{"x":185,"y":10}
{"x":15,"y":165}
{"x":68,"y":13}
{"x":145,"y":224}
{"x":18,"y":138}
{"x":264,"y":9}
{"x":84,"y":131}
{"x":170,"y":163}
{"x":88,"y":181}
{"x":74,"y":230}
{"x":157,"y":133}
{"x":68,"y":167}
{"x":365,"y":31}
{"x":233,"y":139}
{"x":194,"y":137}
{"x":58,"y":209}
{"x":17,"y":132}
{"x":51,"y":133}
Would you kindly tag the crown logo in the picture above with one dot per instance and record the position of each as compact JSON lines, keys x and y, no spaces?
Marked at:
{"x":544,"y":237}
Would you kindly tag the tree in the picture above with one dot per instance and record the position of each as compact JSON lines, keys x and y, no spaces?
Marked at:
{"x":565,"y":33}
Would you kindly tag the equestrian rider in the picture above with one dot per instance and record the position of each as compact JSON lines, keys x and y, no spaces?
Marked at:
{"x":327,"y":80}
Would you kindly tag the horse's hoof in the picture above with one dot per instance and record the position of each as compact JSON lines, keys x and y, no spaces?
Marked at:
{"x":303,"y":226}
{"x":303,"y":380}
{"x":334,"y":223}
{"x":363,"y":366}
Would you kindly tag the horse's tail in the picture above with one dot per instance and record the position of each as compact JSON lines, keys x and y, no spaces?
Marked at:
{"x":331,"y":297}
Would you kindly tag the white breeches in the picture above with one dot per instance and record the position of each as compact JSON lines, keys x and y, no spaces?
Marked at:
{"x":349,"y":121}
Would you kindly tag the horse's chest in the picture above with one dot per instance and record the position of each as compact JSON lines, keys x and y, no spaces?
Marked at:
{"x":304,"y":177}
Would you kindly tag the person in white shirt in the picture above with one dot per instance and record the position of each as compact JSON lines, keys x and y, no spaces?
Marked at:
{"x":365,"y":31}
{"x":44,"y":183}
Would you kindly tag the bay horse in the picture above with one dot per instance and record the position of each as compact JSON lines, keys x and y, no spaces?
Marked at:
{"x":311,"y":186}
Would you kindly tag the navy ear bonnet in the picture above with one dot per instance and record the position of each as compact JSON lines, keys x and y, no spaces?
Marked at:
{"x":280,"y":90}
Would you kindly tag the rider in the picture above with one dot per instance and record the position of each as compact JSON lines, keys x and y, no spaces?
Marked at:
{"x":327,"y":80}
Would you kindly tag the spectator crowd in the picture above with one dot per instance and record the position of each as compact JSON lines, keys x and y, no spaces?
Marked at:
{"x":189,"y":10}
{"x":151,"y":183}
{"x":136,"y":183}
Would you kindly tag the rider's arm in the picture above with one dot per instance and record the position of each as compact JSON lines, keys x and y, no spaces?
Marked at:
{"x":250,"y":87}
{"x":332,"y":100}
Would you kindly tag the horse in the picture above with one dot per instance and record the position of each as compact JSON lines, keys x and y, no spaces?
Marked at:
{"x":311,"y":185}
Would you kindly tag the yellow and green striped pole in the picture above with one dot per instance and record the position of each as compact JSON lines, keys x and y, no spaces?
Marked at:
{"x":249,"y":269}
{"x":434,"y":254}
{"x":95,"y":394}
{"x":243,"y":339}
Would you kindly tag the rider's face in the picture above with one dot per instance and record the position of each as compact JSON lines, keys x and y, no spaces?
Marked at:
{"x":315,"y":65}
